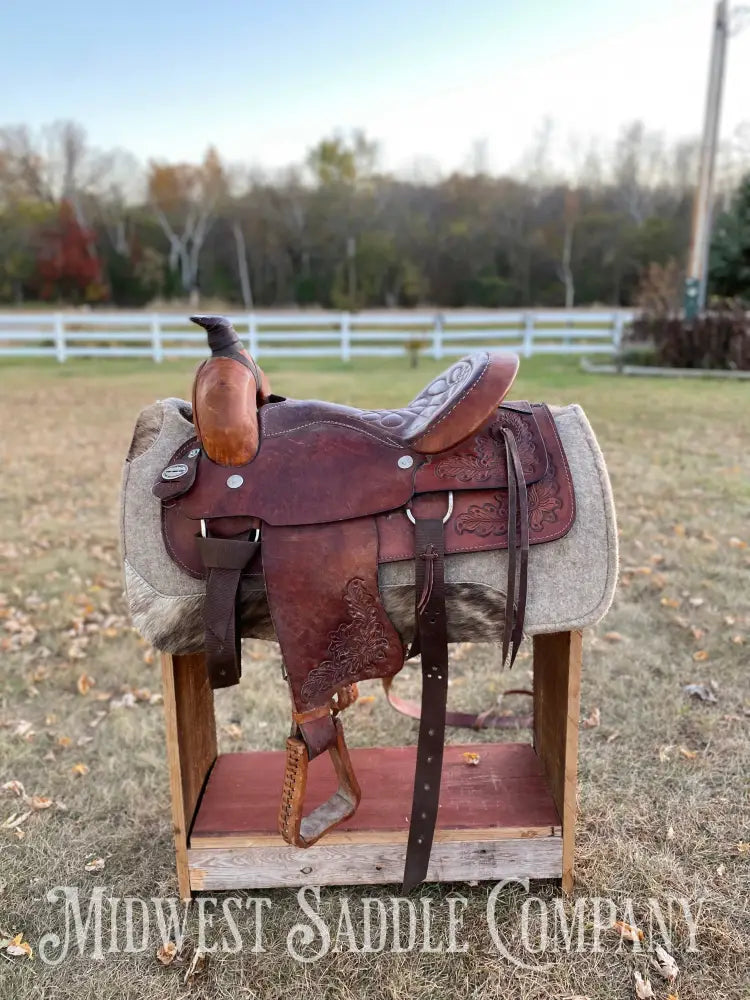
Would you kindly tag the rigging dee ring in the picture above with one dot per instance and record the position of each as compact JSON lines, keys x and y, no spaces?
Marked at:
{"x":204,"y":533}
{"x":447,"y":513}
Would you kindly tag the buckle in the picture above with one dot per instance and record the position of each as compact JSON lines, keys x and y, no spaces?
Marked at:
{"x":447,"y":513}
{"x":204,"y":532}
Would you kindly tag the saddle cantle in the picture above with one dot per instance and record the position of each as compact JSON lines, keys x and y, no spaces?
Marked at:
{"x":320,"y":497}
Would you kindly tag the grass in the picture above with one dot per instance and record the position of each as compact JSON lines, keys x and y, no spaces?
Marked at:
{"x":657,"y":762}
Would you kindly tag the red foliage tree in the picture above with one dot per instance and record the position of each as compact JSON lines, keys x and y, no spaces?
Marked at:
{"x":68,"y":265}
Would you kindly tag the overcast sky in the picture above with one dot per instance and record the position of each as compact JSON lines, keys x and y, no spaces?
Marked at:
{"x":265,"y":81}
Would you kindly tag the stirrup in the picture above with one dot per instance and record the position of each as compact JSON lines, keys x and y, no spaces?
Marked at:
{"x":303,"y":831}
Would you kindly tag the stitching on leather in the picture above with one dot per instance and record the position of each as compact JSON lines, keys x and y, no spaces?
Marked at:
{"x":459,"y":400}
{"x":391,"y":442}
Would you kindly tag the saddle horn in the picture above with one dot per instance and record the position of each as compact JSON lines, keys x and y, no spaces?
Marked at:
{"x":227,"y":391}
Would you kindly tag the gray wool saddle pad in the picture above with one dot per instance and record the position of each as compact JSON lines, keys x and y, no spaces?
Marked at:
{"x":571,"y":580}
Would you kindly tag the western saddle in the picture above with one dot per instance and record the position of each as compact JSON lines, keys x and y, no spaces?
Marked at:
{"x":316,"y":496}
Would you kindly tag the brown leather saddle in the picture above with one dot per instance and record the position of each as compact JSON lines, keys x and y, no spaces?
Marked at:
{"x":331,"y":493}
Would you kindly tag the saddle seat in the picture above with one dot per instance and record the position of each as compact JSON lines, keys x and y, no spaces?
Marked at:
{"x":449,"y":410}
{"x":453,"y":406}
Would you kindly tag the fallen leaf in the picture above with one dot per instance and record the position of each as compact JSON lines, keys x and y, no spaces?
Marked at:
{"x":702,"y":691}
{"x":16,"y":787}
{"x":166,"y":953}
{"x":84,"y":683}
{"x":233,"y":731}
{"x":688,"y":754}
{"x":664,"y":964}
{"x":15,"y":820}
{"x":698,"y":633}
{"x":642,"y":987}
{"x":472,"y":759}
{"x":64,"y":741}
{"x":39,"y":802}
{"x":738,"y":640}
{"x":670,"y":833}
{"x":127,"y":701}
{"x":80,"y":769}
{"x":670,"y":602}
{"x":366,"y":699}
{"x":96,"y":865}
{"x":743,"y":847}
{"x":737,"y":543}
{"x":679,"y":529}
{"x":19,"y":948}
{"x":613,"y":637}
{"x":627,"y":931}
{"x":697,"y":602}
{"x":700,"y":655}
{"x":593,"y":720}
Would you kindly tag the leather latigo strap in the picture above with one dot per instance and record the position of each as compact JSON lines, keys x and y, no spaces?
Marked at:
{"x":432,"y":629}
{"x":224,"y":560}
{"x":488,"y":719}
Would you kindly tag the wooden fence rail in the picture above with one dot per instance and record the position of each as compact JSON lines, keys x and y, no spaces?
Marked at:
{"x":342,"y":335}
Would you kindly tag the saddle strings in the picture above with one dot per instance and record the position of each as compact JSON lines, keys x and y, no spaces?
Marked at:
{"x":518,"y":504}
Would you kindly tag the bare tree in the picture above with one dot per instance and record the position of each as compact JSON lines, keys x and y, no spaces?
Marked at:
{"x":184,"y":200}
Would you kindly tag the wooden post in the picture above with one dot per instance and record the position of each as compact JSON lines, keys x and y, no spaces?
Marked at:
{"x":59,"y":337}
{"x":191,"y":746}
{"x":345,"y":337}
{"x":557,"y":696}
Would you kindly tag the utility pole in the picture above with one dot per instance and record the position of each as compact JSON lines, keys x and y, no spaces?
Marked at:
{"x":697,"y":275}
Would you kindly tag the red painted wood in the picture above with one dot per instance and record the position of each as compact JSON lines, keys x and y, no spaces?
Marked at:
{"x":506,"y":789}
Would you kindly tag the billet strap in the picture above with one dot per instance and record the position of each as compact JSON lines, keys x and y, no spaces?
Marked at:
{"x":302,"y":831}
{"x":224,"y":560}
{"x":489,"y":719}
{"x":518,"y":562}
{"x":432,"y":630}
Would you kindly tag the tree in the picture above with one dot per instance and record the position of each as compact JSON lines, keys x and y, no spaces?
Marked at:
{"x":184,"y":200}
{"x":729,"y":263}
{"x":67,"y":268}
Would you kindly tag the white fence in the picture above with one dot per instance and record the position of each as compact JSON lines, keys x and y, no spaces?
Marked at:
{"x":317,"y":334}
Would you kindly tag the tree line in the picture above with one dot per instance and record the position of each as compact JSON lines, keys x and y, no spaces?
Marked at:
{"x":81,"y":226}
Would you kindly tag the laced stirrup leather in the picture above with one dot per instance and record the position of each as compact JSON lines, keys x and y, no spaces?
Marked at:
{"x":303,"y":831}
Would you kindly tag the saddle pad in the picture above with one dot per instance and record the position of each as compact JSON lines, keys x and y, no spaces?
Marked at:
{"x":571,"y":580}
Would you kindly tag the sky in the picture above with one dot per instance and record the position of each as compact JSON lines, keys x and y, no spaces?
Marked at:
{"x":426,"y":79}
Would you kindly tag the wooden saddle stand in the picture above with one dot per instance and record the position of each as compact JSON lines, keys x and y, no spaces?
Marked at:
{"x":311,"y":497}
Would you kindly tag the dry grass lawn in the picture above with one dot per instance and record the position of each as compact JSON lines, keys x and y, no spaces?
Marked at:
{"x":663,"y":777}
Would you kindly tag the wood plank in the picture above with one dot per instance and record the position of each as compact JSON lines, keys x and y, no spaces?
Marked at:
{"x":507,"y":791}
{"x":371,"y":864}
{"x":191,"y":746}
{"x":338,"y":836}
{"x":557,"y":697}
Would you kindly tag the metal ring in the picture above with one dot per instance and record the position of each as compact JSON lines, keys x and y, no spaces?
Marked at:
{"x":204,"y":533}
{"x":447,"y":513}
